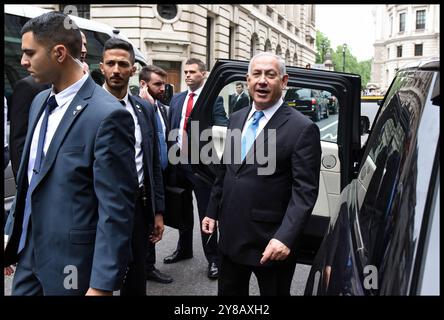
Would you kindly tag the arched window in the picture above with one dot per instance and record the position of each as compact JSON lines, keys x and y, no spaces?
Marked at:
{"x":287,"y":57}
{"x":295,"y":59}
{"x":254,"y":45}
{"x":267,"y":46}
{"x":279,"y":50}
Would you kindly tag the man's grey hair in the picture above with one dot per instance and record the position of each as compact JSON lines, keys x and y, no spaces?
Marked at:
{"x":281,"y":62}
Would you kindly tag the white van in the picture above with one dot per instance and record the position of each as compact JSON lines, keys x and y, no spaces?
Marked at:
{"x":96,"y":33}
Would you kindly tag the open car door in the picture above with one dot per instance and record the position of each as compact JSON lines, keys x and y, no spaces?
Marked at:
{"x":306,"y":92}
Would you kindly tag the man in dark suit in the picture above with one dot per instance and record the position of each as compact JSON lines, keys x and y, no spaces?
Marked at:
{"x":24,"y":92}
{"x":239,"y":99}
{"x":152,"y":87}
{"x":262,"y":213}
{"x":180,"y":110}
{"x":74,"y":208}
{"x":117,"y":67}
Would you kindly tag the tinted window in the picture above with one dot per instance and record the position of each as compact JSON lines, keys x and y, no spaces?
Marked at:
{"x":387,"y":183}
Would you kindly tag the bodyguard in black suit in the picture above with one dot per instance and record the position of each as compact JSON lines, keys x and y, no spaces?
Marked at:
{"x":118,"y":67}
{"x":261,"y":214}
{"x":238,"y":100}
{"x":24,"y":92}
{"x":180,"y":110}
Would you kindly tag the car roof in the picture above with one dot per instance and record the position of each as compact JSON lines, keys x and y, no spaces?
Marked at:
{"x":423,"y":64}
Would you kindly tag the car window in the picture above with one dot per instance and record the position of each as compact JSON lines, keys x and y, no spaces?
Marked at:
{"x":320,"y":106}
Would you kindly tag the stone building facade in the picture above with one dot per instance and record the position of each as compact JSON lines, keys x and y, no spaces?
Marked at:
{"x":170,"y":34}
{"x":404,"y":33}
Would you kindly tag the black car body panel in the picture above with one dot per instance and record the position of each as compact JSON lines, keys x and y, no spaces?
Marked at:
{"x":377,"y":242}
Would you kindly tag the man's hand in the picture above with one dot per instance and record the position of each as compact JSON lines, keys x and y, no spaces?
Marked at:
{"x":208,"y":225}
{"x":144,"y":94}
{"x":9,"y":270}
{"x":275,"y":250}
{"x":98,"y":292}
{"x":158,"y":229}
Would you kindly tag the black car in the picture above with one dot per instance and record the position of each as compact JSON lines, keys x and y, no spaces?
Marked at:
{"x":383,"y":239}
{"x":309,"y":102}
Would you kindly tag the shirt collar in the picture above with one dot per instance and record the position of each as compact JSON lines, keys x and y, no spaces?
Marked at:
{"x":125,"y":98}
{"x":68,"y":93}
{"x":269,"y":112}
{"x":197,"y":92}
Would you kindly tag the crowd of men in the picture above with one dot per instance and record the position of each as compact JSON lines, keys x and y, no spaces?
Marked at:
{"x":91,"y":168}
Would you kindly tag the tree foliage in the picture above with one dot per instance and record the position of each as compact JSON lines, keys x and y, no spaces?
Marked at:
{"x":352,"y":65}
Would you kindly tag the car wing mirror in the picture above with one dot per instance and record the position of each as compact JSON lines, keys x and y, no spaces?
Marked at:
{"x":364,"y":125}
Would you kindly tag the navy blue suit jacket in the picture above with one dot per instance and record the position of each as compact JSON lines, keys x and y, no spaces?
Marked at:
{"x":83,"y":204}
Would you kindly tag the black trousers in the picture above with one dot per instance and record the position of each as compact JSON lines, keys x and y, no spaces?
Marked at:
{"x":135,"y":280}
{"x":275,"y":280}
{"x":202,"y":191}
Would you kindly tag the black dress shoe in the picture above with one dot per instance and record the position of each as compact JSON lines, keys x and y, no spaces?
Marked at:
{"x":156,"y":275}
{"x":213,"y":271}
{"x":176,"y":256}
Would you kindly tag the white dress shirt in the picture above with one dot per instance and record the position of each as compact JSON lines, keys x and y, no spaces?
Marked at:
{"x":268,"y":113}
{"x":64,"y":99}
{"x":159,"y":114}
{"x":137,"y":135}
{"x":184,"y":110}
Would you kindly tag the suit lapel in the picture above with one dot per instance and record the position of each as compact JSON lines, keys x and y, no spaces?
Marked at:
{"x":78,"y":104}
{"x":177,"y":110}
{"x":142,"y":117}
{"x":34,"y":119}
{"x":238,"y":123}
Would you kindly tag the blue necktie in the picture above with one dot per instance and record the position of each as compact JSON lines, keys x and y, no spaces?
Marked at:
{"x":250,"y":134}
{"x":161,"y":138}
{"x":51,"y":105}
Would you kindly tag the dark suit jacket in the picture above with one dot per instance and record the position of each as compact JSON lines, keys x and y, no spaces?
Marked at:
{"x":219,"y":116}
{"x":251,"y":208}
{"x":152,"y":170}
{"x":236,"y":104}
{"x":83,"y":203}
{"x":24,"y":92}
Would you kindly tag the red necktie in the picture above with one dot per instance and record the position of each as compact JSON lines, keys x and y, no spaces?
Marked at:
{"x":189,"y":109}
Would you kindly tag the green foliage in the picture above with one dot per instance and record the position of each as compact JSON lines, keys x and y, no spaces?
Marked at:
{"x":352,"y":65}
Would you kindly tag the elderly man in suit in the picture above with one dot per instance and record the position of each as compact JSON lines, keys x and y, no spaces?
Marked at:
{"x":117,"y":67}
{"x":74,"y":208}
{"x":261,"y":214}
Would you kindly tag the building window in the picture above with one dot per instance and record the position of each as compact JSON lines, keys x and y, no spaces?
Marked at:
{"x":83,"y":10}
{"x":167,"y":11}
{"x":399,"y":51}
{"x":231,"y":42}
{"x":420,"y":19}
{"x":391,"y":25}
{"x":388,"y":53}
{"x":209,"y":42}
{"x":270,"y":12}
{"x":267,"y":47}
{"x":418,"y":49}
{"x":402,"y":22}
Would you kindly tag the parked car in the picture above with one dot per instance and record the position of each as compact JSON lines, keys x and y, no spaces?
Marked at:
{"x":308,"y":101}
{"x":332,"y":102}
{"x":383,"y":238}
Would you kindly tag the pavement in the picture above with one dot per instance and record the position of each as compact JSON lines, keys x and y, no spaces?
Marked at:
{"x":190,"y":276}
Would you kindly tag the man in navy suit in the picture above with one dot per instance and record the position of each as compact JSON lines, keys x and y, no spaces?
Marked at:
{"x":117,"y":67}
{"x":152,"y":88}
{"x":74,"y":207}
{"x":261,"y":214}
{"x":180,"y":111}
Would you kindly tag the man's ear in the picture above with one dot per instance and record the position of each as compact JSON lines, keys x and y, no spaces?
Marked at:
{"x":101,"y":67}
{"x":59,"y":51}
{"x":133,"y":70}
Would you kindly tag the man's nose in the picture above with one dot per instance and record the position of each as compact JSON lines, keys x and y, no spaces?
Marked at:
{"x":24,"y":61}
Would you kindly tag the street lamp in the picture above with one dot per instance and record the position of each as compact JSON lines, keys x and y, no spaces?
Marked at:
{"x":344,"y":48}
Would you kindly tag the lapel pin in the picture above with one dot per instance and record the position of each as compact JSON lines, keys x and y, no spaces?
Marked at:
{"x":138,"y":108}
{"x":78,"y":108}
